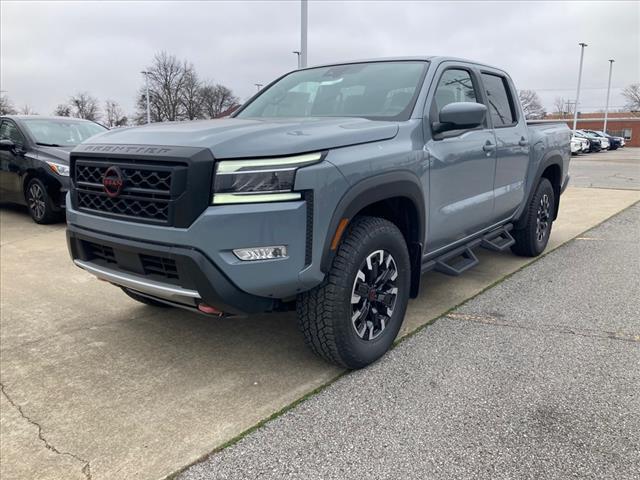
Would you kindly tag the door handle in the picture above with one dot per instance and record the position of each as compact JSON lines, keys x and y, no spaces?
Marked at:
{"x":488,"y":147}
{"x":523,"y":142}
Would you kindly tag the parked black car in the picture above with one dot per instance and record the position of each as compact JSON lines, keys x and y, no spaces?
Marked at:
{"x":595,"y":145}
{"x":614,"y":142}
{"x":34,"y":161}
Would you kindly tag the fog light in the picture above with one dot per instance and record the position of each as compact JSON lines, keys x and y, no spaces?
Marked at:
{"x":261,"y":253}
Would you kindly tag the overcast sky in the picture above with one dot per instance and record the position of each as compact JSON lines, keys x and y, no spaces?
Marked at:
{"x":51,"y":50}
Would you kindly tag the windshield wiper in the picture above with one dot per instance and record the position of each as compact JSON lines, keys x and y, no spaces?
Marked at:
{"x":48,"y":144}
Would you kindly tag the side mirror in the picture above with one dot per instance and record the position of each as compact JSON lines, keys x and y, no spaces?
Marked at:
{"x":6,"y":144}
{"x":460,"y":115}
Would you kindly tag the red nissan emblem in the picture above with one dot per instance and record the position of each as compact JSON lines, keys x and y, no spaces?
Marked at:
{"x":113,"y":182}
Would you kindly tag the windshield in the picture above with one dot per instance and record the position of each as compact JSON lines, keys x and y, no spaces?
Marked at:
{"x":378,"y":91}
{"x":61,"y":133}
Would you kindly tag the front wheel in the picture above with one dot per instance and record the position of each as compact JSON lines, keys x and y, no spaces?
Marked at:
{"x":40,"y":204}
{"x":532,"y":239}
{"x":353,"y":317}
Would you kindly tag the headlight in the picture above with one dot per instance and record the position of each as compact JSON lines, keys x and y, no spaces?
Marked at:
{"x":259,"y":180}
{"x":62,"y":170}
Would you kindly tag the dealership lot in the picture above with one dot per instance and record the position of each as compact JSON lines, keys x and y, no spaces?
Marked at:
{"x":97,"y":385}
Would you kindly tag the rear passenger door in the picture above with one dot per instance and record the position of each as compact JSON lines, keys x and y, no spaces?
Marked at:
{"x":512,"y":139}
{"x":462,"y":162}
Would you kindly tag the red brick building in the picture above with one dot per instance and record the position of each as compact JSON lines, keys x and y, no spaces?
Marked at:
{"x":619,"y":124}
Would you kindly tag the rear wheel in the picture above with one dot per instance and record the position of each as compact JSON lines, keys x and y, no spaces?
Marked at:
{"x":532,"y":239}
{"x":146,"y":300}
{"x":40,"y":204}
{"x":353,"y":317}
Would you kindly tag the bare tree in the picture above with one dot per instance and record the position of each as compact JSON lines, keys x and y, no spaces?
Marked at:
{"x":63,"y":110}
{"x":27,"y":110}
{"x":531,"y":104}
{"x":563,"y":106}
{"x":114,"y":115}
{"x":85,"y":106}
{"x":216,"y":99}
{"x":632,"y":94}
{"x":166,"y":78}
{"x":6,"y":107}
{"x":190,"y":94}
{"x":177,"y":93}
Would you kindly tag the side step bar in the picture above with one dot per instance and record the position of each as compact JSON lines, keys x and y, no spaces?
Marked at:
{"x":457,"y":263}
{"x":498,"y":240}
{"x":459,"y":260}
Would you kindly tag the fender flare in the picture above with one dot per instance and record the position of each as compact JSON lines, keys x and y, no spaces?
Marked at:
{"x":371,"y":190}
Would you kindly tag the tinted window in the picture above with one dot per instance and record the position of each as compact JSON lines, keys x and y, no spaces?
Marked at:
{"x":454,"y":86}
{"x":378,"y":90}
{"x":500,"y":103}
{"x":9,"y":131}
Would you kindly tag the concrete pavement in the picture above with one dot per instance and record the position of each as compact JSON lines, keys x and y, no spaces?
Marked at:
{"x":94,"y":383}
{"x":539,"y":377}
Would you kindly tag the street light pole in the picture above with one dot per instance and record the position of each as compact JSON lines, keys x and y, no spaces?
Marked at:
{"x":258,"y":86}
{"x":575,"y":113}
{"x":146,"y":77}
{"x":303,"y":33}
{"x":298,"y":54}
{"x":606,"y":108}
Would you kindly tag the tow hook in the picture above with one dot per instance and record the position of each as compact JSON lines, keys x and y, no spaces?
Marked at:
{"x":209,"y":310}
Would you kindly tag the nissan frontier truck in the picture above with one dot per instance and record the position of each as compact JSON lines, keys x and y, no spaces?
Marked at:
{"x":333,"y":189}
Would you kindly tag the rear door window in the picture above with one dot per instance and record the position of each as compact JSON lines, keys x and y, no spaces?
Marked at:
{"x":499,"y":100}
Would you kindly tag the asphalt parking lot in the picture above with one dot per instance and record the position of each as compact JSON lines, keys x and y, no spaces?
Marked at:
{"x":619,"y":169}
{"x":97,"y":386}
{"x":536,"y":378}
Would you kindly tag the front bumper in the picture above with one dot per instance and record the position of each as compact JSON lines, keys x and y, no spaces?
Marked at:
{"x":189,"y":276}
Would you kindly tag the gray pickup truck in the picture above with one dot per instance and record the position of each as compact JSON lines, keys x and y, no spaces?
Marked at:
{"x":332,"y":190}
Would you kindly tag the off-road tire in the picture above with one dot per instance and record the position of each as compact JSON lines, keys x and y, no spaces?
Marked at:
{"x":145,"y":300}
{"x":528,"y":243}
{"x":40,"y":205}
{"x":325,"y":312}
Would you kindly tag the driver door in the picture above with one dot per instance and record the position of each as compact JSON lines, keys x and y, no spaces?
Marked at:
{"x":462,"y":163}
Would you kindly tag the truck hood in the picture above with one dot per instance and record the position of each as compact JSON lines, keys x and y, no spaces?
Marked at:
{"x":242,"y":138}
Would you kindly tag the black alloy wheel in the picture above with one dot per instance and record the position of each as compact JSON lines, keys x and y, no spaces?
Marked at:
{"x":543,"y":218}
{"x":374,"y":295}
{"x":40,"y":203}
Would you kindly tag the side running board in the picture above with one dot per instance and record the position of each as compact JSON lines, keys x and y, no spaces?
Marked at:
{"x":498,"y":241}
{"x":456,"y":262}
{"x":461,"y":259}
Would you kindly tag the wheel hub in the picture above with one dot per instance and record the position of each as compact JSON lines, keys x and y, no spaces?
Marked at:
{"x":543,"y":217}
{"x":374,"y":293}
{"x":36,"y":200}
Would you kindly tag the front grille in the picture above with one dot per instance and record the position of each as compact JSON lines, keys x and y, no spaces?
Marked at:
{"x":146,"y":194}
{"x":100,"y":252}
{"x":165,"y":267}
{"x":150,"y":210}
